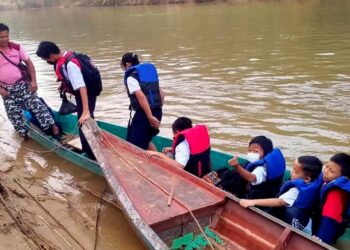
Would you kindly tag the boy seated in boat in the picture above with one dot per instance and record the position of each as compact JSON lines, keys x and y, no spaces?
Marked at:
{"x":335,"y":194}
{"x":299,"y":197}
{"x":190,"y":148}
{"x":265,"y":170}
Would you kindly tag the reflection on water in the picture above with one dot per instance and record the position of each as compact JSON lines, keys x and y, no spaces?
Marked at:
{"x":278,"y":69}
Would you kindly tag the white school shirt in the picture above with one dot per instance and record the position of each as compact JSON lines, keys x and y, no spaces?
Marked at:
{"x":73,"y":74}
{"x":182,"y":152}
{"x":260,"y":174}
{"x":133,"y":85}
{"x":290,"y":196}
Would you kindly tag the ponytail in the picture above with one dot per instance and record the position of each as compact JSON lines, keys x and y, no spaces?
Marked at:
{"x":131,"y":58}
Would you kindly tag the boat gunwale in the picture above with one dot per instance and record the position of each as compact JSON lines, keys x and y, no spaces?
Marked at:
{"x":57,"y":148}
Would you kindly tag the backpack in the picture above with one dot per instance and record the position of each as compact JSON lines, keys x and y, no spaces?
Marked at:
{"x":91,"y":74}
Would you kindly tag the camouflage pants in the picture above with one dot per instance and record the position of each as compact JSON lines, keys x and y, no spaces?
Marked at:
{"x":18,"y":96}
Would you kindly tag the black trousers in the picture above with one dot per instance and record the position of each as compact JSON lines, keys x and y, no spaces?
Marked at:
{"x":140,"y":131}
{"x":92,"y":104}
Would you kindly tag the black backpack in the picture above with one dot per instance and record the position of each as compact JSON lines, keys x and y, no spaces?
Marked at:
{"x":91,"y":74}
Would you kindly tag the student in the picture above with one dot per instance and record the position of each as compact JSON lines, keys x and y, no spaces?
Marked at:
{"x":18,"y":86}
{"x":299,"y":197}
{"x":190,"y":147}
{"x":146,"y":99}
{"x":335,"y":194}
{"x":265,"y":169}
{"x":79,"y":77}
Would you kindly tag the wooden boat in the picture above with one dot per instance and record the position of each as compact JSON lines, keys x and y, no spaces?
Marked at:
{"x":144,"y":187}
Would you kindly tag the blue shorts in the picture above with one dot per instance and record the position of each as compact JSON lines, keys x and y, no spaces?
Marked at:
{"x":140,"y":132}
{"x":296,"y":217}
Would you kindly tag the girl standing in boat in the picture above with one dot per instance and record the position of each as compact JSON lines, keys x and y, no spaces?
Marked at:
{"x":146,"y":99}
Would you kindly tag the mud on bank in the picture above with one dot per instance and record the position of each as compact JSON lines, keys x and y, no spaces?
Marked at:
{"x":46,"y":212}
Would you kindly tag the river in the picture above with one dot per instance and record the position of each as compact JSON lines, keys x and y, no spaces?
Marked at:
{"x":280,"y":69}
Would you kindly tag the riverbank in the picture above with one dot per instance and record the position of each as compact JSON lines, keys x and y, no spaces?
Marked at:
{"x":32,"y":4}
{"x":42,"y":207}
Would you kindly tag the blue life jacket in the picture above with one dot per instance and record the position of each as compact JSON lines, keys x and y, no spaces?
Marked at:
{"x":308,"y":197}
{"x":341,"y":182}
{"x":275,"y":167}
{"x":147,"y":76}
{"x":274,"y":162}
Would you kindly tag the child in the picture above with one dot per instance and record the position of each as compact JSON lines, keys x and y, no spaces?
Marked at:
{"x":79,"y":77}
{"x":146,"y":99}
{"x":190,"y":149}
{"x":265,"y":171}
{"x":335,"y":198}
{"x":299,"y":197}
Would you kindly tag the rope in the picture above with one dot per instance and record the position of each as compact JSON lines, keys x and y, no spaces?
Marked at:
{"x":159,"y":187}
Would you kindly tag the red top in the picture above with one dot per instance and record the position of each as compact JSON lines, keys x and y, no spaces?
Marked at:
{"x":335,"y":204}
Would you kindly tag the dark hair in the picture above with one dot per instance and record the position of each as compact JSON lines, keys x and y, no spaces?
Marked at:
{"x":343,"y":160}
{"x":311,"y":165}
{"x":4,"y":27}
{"x":46,"y":48}
{"x":181,"y":124}
{"x":129,"y":58}
{"x":264,"y":142}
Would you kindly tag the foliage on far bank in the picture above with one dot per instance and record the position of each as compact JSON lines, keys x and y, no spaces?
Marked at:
{"x":27,"y":4}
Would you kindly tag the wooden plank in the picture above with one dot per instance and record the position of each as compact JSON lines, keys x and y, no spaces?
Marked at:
{"x":147,"y":235}
{"x":148,"y":183}
{"x":75,"y":143}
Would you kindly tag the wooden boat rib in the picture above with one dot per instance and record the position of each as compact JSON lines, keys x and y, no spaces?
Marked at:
{"x":143,"y":185}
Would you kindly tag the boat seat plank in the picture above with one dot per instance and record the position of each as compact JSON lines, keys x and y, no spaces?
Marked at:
{"x":75,"y":143}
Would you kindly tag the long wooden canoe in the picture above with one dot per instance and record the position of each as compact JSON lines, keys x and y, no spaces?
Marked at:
{"x":143,"y":187}
{"x":164,"y":203}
